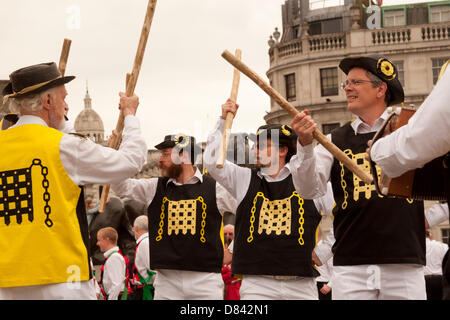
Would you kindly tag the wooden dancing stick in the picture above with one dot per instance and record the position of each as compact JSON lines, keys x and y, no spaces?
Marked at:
{"x":131,"y":85}
{"x":64,"y":56}
{"x":319,"y":136}
{"x":230,"y":116}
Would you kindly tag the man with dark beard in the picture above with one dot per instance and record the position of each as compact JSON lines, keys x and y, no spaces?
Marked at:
{"x":185,"y":211}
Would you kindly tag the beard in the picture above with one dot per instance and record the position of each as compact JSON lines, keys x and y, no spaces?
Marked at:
{"x":56,"y":122}
{"x":173,"y":171}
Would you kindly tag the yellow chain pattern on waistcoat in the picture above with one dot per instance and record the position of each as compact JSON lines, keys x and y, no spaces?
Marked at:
{"x":175,"y":204}
{"x":358,"y":185}
{"x":270,"y":204}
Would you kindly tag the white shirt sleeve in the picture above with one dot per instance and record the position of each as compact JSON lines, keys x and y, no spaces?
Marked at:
{"x":225,"y":201}
{"x":114,"y":276}
{"x":423,"y":139}
{"x":323,"y":249}
{"x":310,"y":169}
{"x":142,"y":190}
{"x":437,"y":214}
{"x":326,"y":203}
{"x":233,"y":178}
{"x":87,"y":162}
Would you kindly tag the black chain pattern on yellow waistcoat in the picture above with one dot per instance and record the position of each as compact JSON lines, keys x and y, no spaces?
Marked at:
{"x":16,"y":196}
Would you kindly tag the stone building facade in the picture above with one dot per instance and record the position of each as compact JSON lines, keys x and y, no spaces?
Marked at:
{"x":305,"y":55}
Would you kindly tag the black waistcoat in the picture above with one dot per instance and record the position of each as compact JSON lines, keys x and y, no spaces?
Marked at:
{"x":275,"y":230}
{"x":369,"y":229}
{"x":185,"y":227}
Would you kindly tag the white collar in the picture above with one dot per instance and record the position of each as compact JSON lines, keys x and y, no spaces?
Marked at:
{"x":192,"y":180}
{"x":110,"y":251}
{"x":142,"y":237}
{"x":29,"y":119}
{"x":284,"y":172}
{"x":360,"y":126}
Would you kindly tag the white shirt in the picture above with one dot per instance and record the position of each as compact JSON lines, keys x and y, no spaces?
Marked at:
{"x":314,"y":164}
{"x":87,"y":162}
{"x":114,"y":273}
{"x":144,"y":190}
{"x":142,"y":259}
{"x":435,"y":253}
{"x":237,"y":179}
{"x":424,"y":138}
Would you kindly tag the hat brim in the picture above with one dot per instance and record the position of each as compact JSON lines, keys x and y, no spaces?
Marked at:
{"x":165,"y":145}
{"x":171,"y":144}
{"x":394,"y":86}
{"x":52,"y":84}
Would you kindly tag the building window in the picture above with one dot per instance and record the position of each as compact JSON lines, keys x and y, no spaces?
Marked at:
{"x":328,"y":127}
{"x":325,"y":26}
{"x":445,"y":235}
{"x":290,"y":87}
{"x":400,"y":72}
{"x":439,"y":13}
{"x":437,"y":64}
{"x":329,"y":82}
{"x":394,"y":18}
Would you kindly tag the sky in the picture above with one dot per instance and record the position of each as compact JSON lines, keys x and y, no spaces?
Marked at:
{"x":183,"y":79}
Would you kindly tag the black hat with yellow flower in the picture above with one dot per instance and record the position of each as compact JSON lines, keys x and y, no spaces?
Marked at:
{"x":381,"y":67}
{"x":182,"y":142}
{"x":284,"y":133}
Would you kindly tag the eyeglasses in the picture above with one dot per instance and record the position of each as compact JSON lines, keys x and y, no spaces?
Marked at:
{"x":353,"y":83}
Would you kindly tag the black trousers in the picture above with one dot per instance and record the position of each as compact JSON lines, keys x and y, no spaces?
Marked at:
{"x":321,"y":295}
{"x":434,"y":287}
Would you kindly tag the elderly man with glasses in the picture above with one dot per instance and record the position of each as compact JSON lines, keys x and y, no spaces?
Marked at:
{"x":379,"y":252}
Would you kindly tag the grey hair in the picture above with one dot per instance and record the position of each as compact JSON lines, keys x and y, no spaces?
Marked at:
{"x":31,"y":103}
{"x":141,"y":223}
{"x":376,"y":82}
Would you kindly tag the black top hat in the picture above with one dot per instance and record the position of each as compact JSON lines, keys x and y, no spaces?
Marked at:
{"x":179,"y":141}
{"x":285,"y":132}
{"x":382,"y":68}
{"x":34,"y":79}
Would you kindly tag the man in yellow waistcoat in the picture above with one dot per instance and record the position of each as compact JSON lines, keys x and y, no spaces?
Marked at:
{"x":43,"y":225}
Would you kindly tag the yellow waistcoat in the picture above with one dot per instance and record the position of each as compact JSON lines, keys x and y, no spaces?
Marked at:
{"x":40,"y":236}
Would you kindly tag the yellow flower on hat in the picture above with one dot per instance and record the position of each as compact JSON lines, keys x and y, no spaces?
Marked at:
{"x":386,"y":68}
{"x":285,"y":131}
{"x":181,"y":140}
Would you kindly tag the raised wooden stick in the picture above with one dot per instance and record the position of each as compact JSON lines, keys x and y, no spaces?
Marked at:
{"x":229,"y":119}
{"x":131,"y":85}
{"x":64,"y":56}
{"x":319,"y":136}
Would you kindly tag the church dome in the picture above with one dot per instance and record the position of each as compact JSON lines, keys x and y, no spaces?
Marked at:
{"x":89,"y":123}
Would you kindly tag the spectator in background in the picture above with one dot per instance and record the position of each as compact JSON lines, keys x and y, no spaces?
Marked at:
{"x":232,"y":284}
{"x":143,"y":276}
{"x":114,"y":271}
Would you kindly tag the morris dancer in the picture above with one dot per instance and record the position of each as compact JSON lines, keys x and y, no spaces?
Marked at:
{"x":379,"y":251}
{"x":185,"y":211}
{"x":275,"y":230}
{"x":40,"y":191}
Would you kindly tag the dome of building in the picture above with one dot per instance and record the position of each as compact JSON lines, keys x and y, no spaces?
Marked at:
{"x":88,"y":122}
